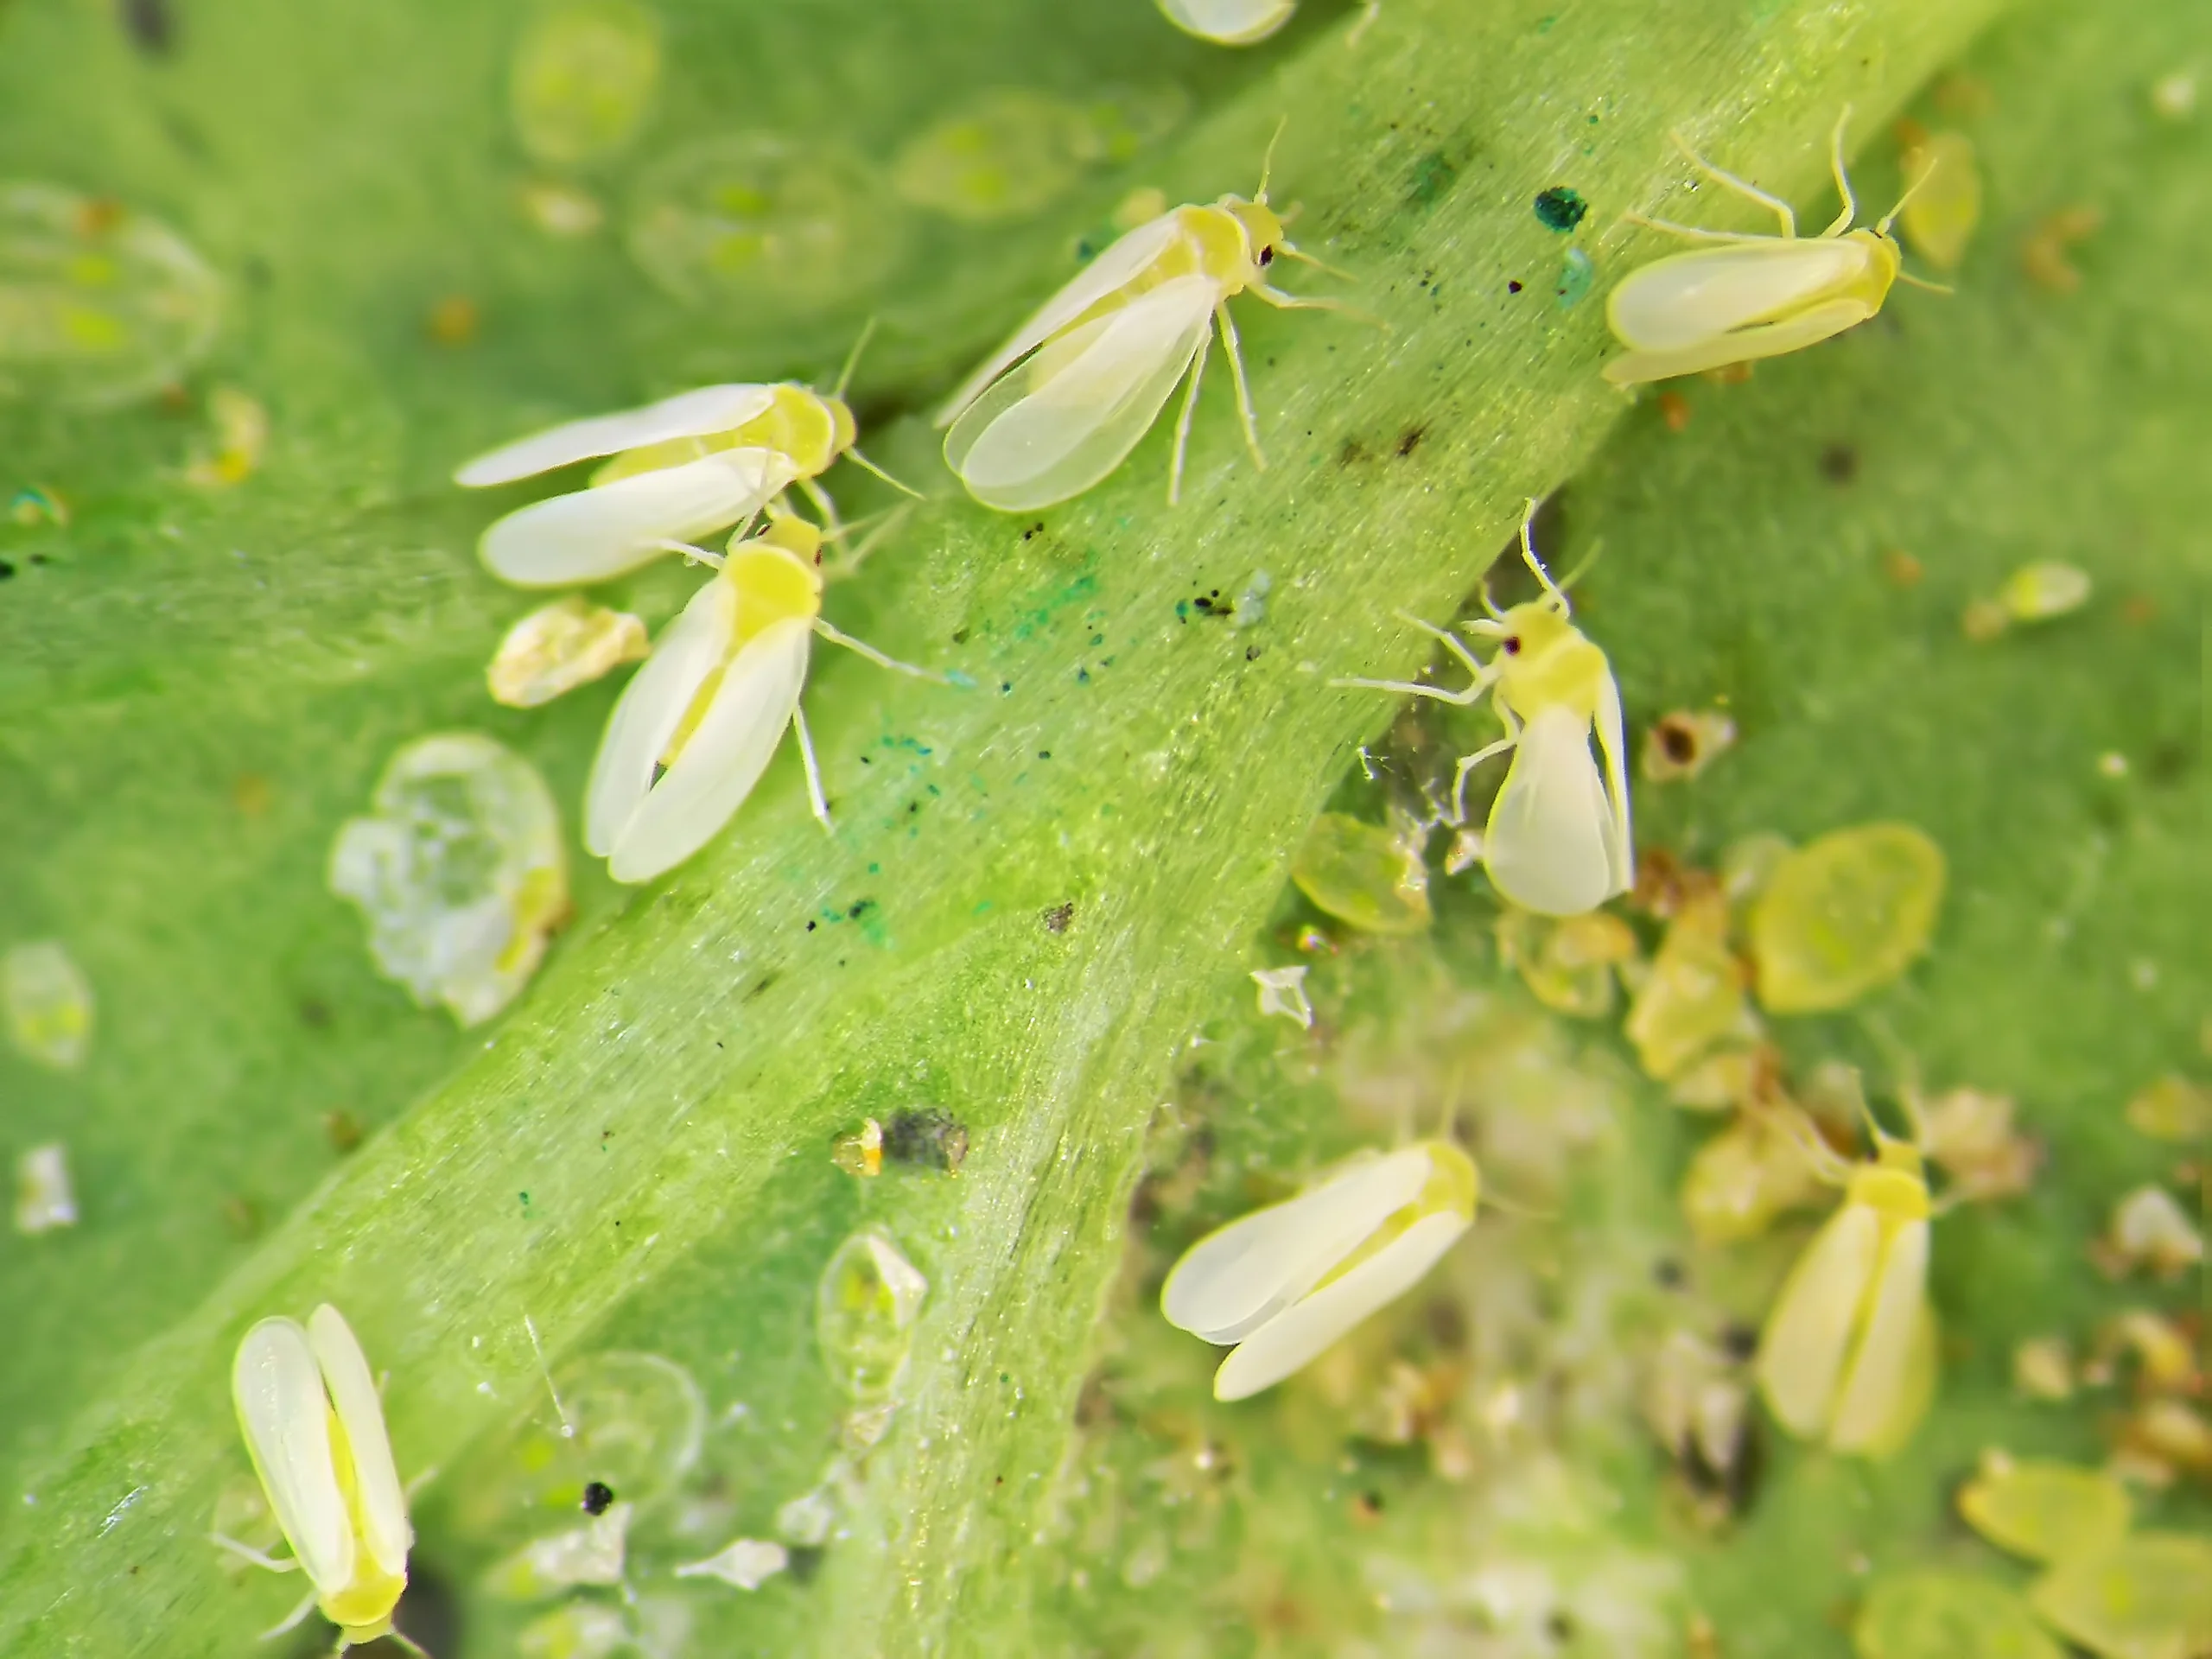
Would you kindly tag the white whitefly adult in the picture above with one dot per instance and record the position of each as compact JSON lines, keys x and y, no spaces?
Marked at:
{"x":1285,"y":1282}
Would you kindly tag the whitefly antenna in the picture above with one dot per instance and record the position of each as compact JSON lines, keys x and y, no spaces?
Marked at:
{"x":853,"y":359}
{"x":1267,"y":161}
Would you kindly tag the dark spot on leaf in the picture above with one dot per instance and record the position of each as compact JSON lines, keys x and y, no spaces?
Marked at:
{"x":1433,"y":176}
{"x":1351,"y":453}
{"x":1839,"y":463}
{"x":1560,"y":208}
{"x":927,"y":1137}
{"x":7,"y":569}
{"x":1667,"y":1273}
{"x":1058,"y":917}
{"x":151,"y":26}
{"x":1678,"y":738}
{"x":1409,"y":440}
{"x":960,"y":636}
{"x":1513,"y":286}
{"x":860,"y":907}
{"x":313,"y":1013}
{"x":1740,"y":1341}
{"x":765,"y":981}
{"x":598,"y":1498}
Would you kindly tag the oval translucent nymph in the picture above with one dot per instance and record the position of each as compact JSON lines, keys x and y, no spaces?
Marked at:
{"x":307,"y":1406}
{"x":865,"y":1307}
{"x":1844,"y":914}
{"x":1933,"y":1615}
{"x":1848,"y":1354}
{"x":1285,"y":1282}
{"x":1693,"y":996}
{"x":633,"y":1422}
{"x":1945,"y":204}
{"x":100,"y":305}
{"x":1362,"y":873}
{"x":1229,"y":22}
{"x":47,"y":1003}
{"x":459,"y":872}
{"x":584,"y":78}
{"x":2147,"y":1596}
{"x":675,"y":471}
{"x":560,"y":646}
{"x":1749,"y":296}
{"x":2044,"y":1511}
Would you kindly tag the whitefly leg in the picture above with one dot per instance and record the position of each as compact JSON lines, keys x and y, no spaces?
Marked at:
{"x":1780,"y":209}
{"x":814,"y":797}
{"x":1229,"y":343}
{"x":1469,"y":762}
{"x":1452,"y":643}
{"x":838,"y":637}
{"x":1842,"y":179}
{"x":246,"y":1552}
{"x":1183,"y":420}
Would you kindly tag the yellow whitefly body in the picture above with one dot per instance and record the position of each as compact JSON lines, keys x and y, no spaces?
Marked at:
{"x":1848,"y":1354}
{"x":1063,"y":402}
{"x":1748,"y":296}
{"x":672,"y":471}
{"x":1557,"y":841}
{"x":307,"y":1407}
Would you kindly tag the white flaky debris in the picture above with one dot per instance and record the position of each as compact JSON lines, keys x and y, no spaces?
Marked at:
{"x":44,"y":1198}
{"x":748,"y":1564}
{"x":1282,"y":990}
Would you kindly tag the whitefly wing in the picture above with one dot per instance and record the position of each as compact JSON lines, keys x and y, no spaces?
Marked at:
{"x":1038,"y":436}
{"x":1301,"y":1331}
{"x":724,"y":758}
{"x":1686,"y":298}
{"x":651,"y":707}
{"x":1551,"y":844}
{"x":283,"y":1413}
{"x":595,"y":534}
{"x":1801,"y":1350}
{"x":1237,"y":1278}
{"x":1127,"y":258}
{"x":1612,"y":743}
{"x":687,"y":414}
{"x":1793,"y":334}
{"x":361,"y":1413}
{"x":1882,"y":1362}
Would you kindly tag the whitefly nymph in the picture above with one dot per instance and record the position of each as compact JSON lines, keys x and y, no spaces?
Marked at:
{"x":314,"y":1425}
{"x":1285,"y":1282}
{"x":1748,"y":296}
{"x":1557,"y":841}
{"x":1062,"y":403}
{"x":674,"y":471}
{"x":697,"y":725}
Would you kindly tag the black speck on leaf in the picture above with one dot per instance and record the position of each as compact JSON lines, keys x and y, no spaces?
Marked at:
{"x":1839,"y":463}
{"x":1560,"y":208}
{"x":1058,"y":917}
{"x":151,"y":26}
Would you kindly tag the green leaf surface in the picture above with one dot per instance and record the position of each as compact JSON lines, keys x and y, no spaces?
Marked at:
{"x":198,"y":688}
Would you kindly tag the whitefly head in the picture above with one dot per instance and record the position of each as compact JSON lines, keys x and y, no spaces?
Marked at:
{"x":1285,"y":1282}
{"x":672,"y":472}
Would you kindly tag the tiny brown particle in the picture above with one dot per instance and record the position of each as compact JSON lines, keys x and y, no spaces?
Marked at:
{"x":1901,"y":568}
{"x":1675,"y":409}
{"x":453,"y":320}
